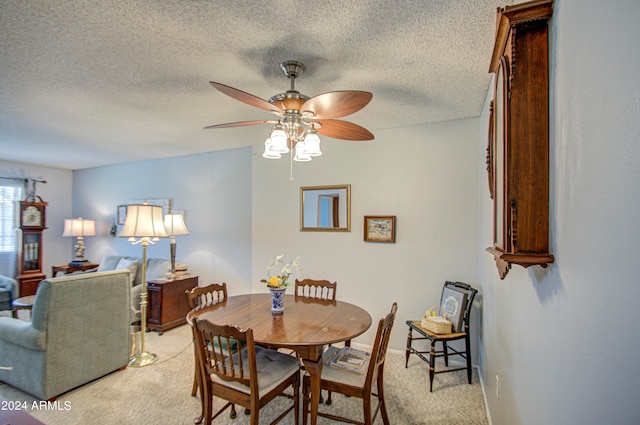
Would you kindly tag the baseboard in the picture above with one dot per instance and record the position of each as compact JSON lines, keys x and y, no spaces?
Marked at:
{"x":484,"y":396}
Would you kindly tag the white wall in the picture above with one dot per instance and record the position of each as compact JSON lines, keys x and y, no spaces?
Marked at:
{"x":214,"y":191}
{"x":424,"y":175}
{"x":564,"y":341}
{"x":57,"y":192}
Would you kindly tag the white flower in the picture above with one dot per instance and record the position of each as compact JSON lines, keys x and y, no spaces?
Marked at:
{"x":287,"y":270}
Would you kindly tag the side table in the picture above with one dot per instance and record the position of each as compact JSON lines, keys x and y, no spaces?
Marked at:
{"x":66,"y":268}
{"x":168,"y":305}
{"x":23,"y":303}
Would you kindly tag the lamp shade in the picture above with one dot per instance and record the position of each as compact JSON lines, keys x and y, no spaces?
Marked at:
{"x":174,"y":224}
{"x":143,"y":221}
{"x":268,"y":152}
{"x":312,"y":144}
{"x":301,"y":155}
{"x":79,"y":227}
{"x":279,"y":141}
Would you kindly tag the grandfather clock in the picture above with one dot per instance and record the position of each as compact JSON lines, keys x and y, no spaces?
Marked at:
{"x":518,"y":145}
{"x":32,"y":223}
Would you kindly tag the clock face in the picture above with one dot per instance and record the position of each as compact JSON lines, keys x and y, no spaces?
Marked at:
{"x":31,"y":216}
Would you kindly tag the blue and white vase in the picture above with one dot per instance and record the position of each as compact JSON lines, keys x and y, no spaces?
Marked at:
{"x":277,"y":300}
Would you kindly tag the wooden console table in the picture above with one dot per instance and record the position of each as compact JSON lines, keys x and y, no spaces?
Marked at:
{"x":168,"y":305}
{"x":66,"y":268}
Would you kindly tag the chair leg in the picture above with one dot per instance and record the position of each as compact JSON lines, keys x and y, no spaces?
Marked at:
{"x":296,"y":401}
{"x":432,"y":365}
{"x":194,"y":389}
{"x":408,"y":350}
{"x":366,"y":409}
{"x":468,"y":355}
{"x":383,"y":405}
{"x":305,"y":401}
{"x":445,"y":351}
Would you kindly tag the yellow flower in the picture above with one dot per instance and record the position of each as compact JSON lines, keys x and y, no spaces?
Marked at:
{"x":275,"y":282}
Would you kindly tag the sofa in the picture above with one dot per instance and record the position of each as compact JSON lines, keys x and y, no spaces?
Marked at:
{"x":156,"y":269}
{"x":79,"y":331}
{"x":8,"y":292}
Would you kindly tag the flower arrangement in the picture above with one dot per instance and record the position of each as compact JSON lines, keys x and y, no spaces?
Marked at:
{"x":280,"y":280}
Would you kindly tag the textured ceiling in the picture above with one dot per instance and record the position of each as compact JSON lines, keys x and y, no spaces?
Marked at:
{"x":86,"y":83}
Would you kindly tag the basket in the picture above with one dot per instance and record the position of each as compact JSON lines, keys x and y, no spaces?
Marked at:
{"x":435,"y":324}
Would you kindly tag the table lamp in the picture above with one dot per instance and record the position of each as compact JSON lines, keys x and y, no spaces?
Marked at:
{"x":143,"y":221}
{"x":174,"y":223}
{"x":79,"y":228}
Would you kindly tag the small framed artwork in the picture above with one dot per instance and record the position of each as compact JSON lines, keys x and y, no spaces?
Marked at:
{"x":122,"y":214}
{"x":453,"y":305}
{"x":379,"y":228}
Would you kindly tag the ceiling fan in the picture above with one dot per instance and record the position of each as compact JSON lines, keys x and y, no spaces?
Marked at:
{"x":300,"y":118}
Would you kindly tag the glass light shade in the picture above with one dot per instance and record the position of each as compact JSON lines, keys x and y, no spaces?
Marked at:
{"x":312,"y":144}
{"x":143,"y":221}
{"x":279,"y":141}
{"x":79,"y":227}
{"x":174,"y":224}
{"x":301,"y":155}
{"x":269,"y":153}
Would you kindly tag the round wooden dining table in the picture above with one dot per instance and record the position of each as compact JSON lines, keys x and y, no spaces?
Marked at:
{"x":306,"y":326}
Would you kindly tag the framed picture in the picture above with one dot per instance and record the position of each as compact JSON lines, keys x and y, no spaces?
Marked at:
{"x":453,"y":306}
{"x":122,"y":214}
{"x":379,"y":228}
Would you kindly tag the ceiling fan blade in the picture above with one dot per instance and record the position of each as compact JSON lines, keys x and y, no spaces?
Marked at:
{"x":247,"y":98}
{"x":239,"y":124}
{"x":343,"y":130}
{"x":336,"y":104}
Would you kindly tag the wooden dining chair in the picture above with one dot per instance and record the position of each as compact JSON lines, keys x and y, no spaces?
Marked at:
{"x":320,"y":289}
{"x":200,"y":297}
{"x":237,"y":370}
{"x":356,"y":385}
{"x":458,"y":297}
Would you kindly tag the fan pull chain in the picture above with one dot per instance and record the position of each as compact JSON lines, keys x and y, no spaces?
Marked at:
{"x":290,"y":165}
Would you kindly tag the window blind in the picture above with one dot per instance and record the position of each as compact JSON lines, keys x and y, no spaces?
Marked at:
{"x":10,"y":195}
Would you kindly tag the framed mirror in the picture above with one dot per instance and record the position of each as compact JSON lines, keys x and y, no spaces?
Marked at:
{"x":325,"y":208}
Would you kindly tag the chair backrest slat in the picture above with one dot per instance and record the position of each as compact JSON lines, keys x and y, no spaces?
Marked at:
{"x":320,"y":289}
{"x":206,"y":295}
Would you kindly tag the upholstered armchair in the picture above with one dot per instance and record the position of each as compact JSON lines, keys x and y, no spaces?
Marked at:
{"x":79,"y":331}
{"x":8,"y":292}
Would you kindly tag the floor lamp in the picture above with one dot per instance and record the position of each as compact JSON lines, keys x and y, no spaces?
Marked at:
{"x":144,"y":222}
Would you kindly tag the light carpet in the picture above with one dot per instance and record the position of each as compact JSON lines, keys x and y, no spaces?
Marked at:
{"x":161,"y":394}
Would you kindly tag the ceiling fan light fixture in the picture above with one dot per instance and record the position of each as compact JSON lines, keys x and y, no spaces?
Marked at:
{"x":300,"y":117}
{"x":312,"y":144}
{"x":269,"y":153}
{"x":301,"y":155}
{"x":279,"y":140}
